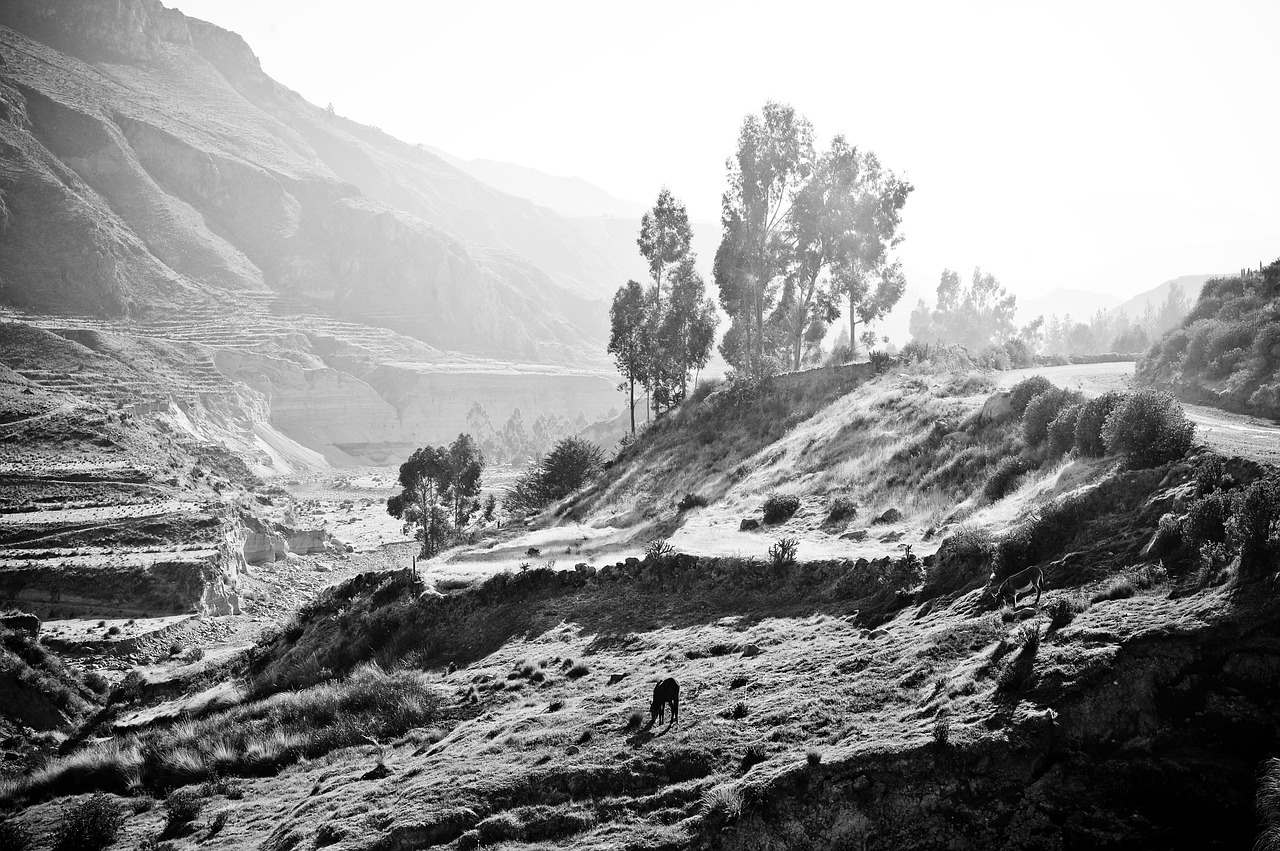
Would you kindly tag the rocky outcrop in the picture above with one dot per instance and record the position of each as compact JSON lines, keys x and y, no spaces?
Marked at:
{"x":264,"y":547}
{"x":307,"y":542}
{"x":30,"y":624}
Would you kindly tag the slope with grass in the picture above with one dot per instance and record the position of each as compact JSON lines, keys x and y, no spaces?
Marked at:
{"x":825,"y":703}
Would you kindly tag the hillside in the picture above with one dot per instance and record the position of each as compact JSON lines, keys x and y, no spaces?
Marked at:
{"x":1226,"y":352}
{"x":157,"y":144}
{"x":824,"y":694}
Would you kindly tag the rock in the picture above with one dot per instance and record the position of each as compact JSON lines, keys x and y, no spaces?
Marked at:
{"x":616,"y":678}
{"x":892,"y":537}
{"x":378,"y":772}
{"x":263,"y":547}
{"x":749,"y":650}
{"x":749,"y":524}
{"x":861,"y":782}
{"x":22,"y":622}
{"x":877,"y":634}
{"x":573,"y":750}
{"x":632,"y":561}
{"x":855,"y":535}
{"x":890,"y":515}
{"x":584,"y":569}
{"x":998,"y":407}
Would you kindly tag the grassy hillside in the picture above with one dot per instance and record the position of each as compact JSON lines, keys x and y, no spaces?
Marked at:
{"x":1227,"y":350}
{"x":873,"y":702}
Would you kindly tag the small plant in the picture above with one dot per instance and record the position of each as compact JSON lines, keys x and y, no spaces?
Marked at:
{"x":813,"y":757}
{"x":96,"y":682}
{"x":89,"y":826}
{"x":555,"y":706}
{"x":658,"y":550}
{"x":739,"y":711}
{"x":113,"y":631}
{"x":753,"y":756}
{"x":1063,"y":610}
{"x":691,"y":500}
{"x":779,"y":507}
{"x":942,"y":730}
{"x":840,"y":509}
{"x":634,"y":720}
{"x":1119,"y":588}
{"x":182,"y":807}
{"x":217,"y":823}
{"x":577,"y":671}
{"x":783,"y":553}
{"x":532,"y":552}
{"x":723,"y":801}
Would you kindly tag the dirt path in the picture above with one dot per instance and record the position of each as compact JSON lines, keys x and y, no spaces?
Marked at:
{"x":1222,"y":431}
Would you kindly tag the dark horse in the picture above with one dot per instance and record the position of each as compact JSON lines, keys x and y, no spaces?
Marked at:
{"x":667,"y":691}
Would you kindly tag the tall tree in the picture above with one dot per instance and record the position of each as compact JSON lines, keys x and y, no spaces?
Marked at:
{"x":974,"y":317}
{"x":775,"y":156}
{"x":418,"y":503}
{"x":627,"y":317}
{"x":464,"y":464}
{"x":682,"y":341}
{"x":664,"y":239}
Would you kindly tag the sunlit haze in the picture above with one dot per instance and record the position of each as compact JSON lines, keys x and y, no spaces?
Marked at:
{"x":1101,"y":146}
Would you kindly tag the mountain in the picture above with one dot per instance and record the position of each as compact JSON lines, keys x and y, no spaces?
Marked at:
{"x":155,"y":149}
{"x":568,"y":196}
{"x":1136,"y":306}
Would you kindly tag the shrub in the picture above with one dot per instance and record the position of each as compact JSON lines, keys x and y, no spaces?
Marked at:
{"x":779,"y":507}
{"x":565,"y":469}
{"x":1211,"y":475}
{"x":724,"y":801}
{"x":942,"y":730}
{"x":1042,"y":411}
{"x":1006,"y":474}
{"x":783,"y":553}
{"x":1063,"y":610}
{"x":1062,"y":431}
{"x":1149,"y":428}
{"x":1168,"y":537}
{"x":658,"y":550}
{"x":753,"y":756}
{"x":813,"y":757}
{"x":14,"y":837}
{"x":1206,"y":520}
{"x":1090,"y":421}
{"x":97,"y":682}
{"x":841,"y":508}
{"x":1027,"y":389}
{"x":634,"y":720}
{"x":577,"y":671}
{"x":1120,"y":588}
{"x":691,"y":500}
{"x":739,"y":711}
{"x":1253,"y":527}
{"x":91,"y":825}
{"x":181,"y":808}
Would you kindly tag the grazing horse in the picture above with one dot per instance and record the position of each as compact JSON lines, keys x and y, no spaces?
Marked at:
{"x":1022,"y":582}
{"x":665,"y":692}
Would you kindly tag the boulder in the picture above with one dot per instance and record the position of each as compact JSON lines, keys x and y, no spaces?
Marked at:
{"x":616,"y":678}
{"x":750,"y":650}
{"x":584,"y":569}
{"x":998,"y":407}
{"x":855,"y":535}
{"x":749,"y":524}
{"x":890,"y":515}
{"x":263,"y":547}
{"x":22,"y":622}
{"x":308,"y":541}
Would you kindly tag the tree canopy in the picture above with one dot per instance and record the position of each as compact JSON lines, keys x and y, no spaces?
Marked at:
{"x":438,"y":490}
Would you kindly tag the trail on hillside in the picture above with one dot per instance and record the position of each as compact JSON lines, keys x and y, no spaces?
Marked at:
{"x":1222,"y":431}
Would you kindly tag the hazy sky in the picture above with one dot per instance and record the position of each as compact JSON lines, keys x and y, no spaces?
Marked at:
{"x":1107,"y":146}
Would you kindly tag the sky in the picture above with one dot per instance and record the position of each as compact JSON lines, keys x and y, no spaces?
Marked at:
{"x":1101,"y":146}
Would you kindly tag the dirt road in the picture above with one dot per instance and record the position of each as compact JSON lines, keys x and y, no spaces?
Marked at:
{"x":1222,"y":431}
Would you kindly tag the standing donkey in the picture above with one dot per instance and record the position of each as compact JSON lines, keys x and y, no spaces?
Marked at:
{"x":664,"y":693}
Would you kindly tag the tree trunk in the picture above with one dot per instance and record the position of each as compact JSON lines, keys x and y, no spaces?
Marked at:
{"x":632,"y":383}
{"x":759,"y":294}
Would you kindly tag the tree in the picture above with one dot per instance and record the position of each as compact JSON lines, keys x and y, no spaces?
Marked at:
{"x":682,"y":340}
{"x":973,"y":317}
{"x":419,"y":502}
{"x":627,"y":317}
{"x":664,"y":237}
{"x":565,"y":469}
{"x":464,"y":464}
{"x":775,"y":156}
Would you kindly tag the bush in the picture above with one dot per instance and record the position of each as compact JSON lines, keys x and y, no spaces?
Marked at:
{"x":97,"y":682}
{"x":840,"y":509}
{"x":1062,"y":431}
{"x":942,"y":730}
{"x":1089,"y":423}
{"x":1169,"y":536}
{"x":577,"y":671}
{"x":1027,"y":389}
{"x":691,"y":500}
{"x":753,"y":756}
{"x":1206,"y":521}
{"x":89,"y":826}
{"x":813,"y":757}
{"x":779,"y":507}
{"x":1253,"y":527}
{"x":1063,"y":610}
{"x":569,"y":465}
{"x":658,"y":550}
{"x":783,"y":553}
{"x":1211,"y":475}
{"x":1149,"y":428}
{"x":1042,"y":410}
{"x":1120,"y":588}
{"x":181,"y":808}
{"x":1006,"y":474}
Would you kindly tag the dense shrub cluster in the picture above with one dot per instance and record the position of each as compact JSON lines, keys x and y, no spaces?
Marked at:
{"x":1042,"y":410}
{"x":565,"y":469}
{"x":1222,"y":524}
{"x":1062,"y":431}
{"x":1149,"y":428}
{"x":1027,"y":389}
{"x":1227,"y":349}
{"x":780,"y":506}
{"x":1007,"y":473}
{"x":1090,"y":421}
{"x":90,"y":825}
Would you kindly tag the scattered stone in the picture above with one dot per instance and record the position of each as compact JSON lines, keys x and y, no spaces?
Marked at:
{"x":738,"y":682}
{"x":749,"y":524}
{"x":998,"y":407}
{"x":750,"y":650}
{"x":891,"y":537}
{"x":876,"y":634}
{"x":616,"y":678}
{"x":890,"y":515}
{"x":573,"y":750}
{"x":856,"y":535}
{"x":584,"y":569}
{"x":378,"y":772}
